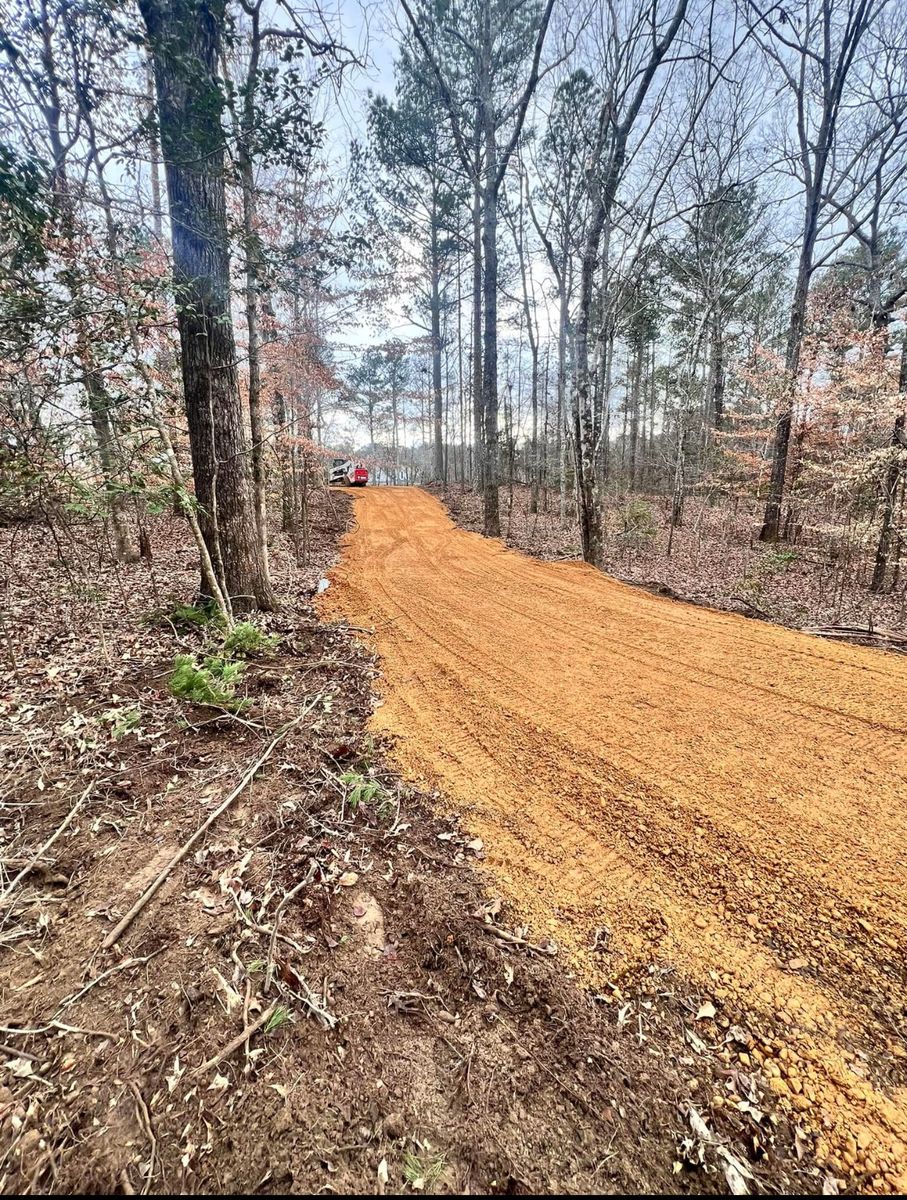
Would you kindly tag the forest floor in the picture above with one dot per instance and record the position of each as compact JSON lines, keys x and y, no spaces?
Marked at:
{"x":666,"y":788}
{"x":389,"y":1026}
{"x":715,"y":559}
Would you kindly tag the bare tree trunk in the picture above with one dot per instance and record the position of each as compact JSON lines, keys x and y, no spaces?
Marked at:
{"x":185,"y":42}
{"x":716,"y":405}
{"x":478,"y":415}
{"x":589,"y":512}
{"x":890,"y":486}
{"x":256,"y":416}
{"x":638,"y":350}
{"x":492,"y":518}
{"x":157,"y":204}
{"x":771,"y":522}
{"x":561,"y":442}
{"x":517,"y":226}
{"x":253,"y":283}
{"x":438,"y":402}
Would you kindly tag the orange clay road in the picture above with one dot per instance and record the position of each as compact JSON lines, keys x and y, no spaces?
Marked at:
{"x":723,"y":796}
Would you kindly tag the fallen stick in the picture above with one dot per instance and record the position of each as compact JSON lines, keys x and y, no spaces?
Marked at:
{"x":272,"y":946}
{"x":855,"y":631}
{"x":512,"y":938}
{"x":145,"y":1120}
{"x":35,"y":1030}
{"x":125,"y":965}
{"x":117,"y":932}
{"x":33,"y":861}
{"x":760,"y":612}
{"x":239,"y":1040}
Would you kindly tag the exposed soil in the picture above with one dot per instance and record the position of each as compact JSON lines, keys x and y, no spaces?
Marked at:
{"x":716,"y":559}
{"x":659,"y":782}
{"x":424,"y":1038}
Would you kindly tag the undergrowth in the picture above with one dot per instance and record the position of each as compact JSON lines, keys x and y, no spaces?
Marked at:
{"x":213,"y":681}
{"x":246,"y":640}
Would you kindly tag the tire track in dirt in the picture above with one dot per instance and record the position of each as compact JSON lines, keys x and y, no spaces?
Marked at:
{"x":723,"y":795}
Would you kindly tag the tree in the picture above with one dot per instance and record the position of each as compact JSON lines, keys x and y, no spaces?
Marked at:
{"x":815,"y":48}
{"x":495,"y":37}
{"x":563,"y":162}
{"x":416,"y":178}
{"x":185,"y":39}
{"x":37,"y":57}
{"x":634,"y":52}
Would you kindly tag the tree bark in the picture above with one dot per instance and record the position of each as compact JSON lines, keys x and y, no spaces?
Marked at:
{"x":890,"y":486}
{"x":437,"y":398}
{"x":478,"y":414}
{"x":492,"y":525}
{"x":771,"y":522}
{"x":185,"y":39}
{"x":253,"y":282}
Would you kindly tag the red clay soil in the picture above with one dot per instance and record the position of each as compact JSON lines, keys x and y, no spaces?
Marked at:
{"x":715,"y":558}
{"x":658,"y":782}
{"x":423,"y":1039}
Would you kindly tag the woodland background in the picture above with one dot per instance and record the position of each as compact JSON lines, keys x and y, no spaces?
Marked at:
{"x":633,"y":276}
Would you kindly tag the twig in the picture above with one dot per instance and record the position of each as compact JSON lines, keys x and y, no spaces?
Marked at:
{"x":276,"y":922}
{"x":327,"y":1018}
{"x":18,"y":1053}
{"x":145,"y":1119}
{"x":335,"y":662}
{"x":122,"y":966}
{"x":116,"y":933}
{"x":238,"y":1041}
{"x":512,"y":938}
{"x":760,"y":612}
{"x":35,"y":1031}
{"x":247,"y":1000}
{"x":39,"y":854}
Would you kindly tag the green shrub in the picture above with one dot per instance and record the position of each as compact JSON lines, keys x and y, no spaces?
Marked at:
{"x":212,"y":682}
{"x":777,"y":559}
{"x":246,"y":639}
{"x":638,"y":524}
{"x":188,"y":616}
{"x":196,"y":615}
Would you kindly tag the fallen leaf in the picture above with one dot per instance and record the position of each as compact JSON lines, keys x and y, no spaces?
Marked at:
{"x":735,"y":1173}
{"x":706,"y":1011}
{"x":22,"y":1068}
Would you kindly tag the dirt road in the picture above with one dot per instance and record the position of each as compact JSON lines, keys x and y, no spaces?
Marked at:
{"x":715,"y":794}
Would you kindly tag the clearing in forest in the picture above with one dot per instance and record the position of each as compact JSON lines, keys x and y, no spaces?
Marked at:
{"x":656,"y":782}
